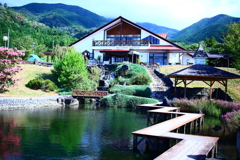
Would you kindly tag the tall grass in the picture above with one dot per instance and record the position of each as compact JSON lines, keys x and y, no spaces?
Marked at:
{"x":232,"y":120}
{"x":228,"y":111}
{"x":215,"y":108}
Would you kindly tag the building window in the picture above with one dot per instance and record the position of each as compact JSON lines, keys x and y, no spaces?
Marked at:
{"x":119,"y":59}
{"x":123,"y":37}
{"x":152,"y":40}
{"x":91,"y":56}
{"x":160,"y":58}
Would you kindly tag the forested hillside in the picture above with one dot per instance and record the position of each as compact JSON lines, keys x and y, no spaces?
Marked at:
{"x":206,"y":28}
{"x":158,"y":29}
{"x":73,"y":20}
{"x":24,"y":32}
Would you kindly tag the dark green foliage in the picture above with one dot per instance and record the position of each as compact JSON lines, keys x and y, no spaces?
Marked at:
{"x":232,"y":43}
{"x":36,"y":83}
{"x":206,"y":28}
{"x":137,"y":90}
{"x":141,"y":79}
{"x":121,"y":100}
{"x":39,"y":83}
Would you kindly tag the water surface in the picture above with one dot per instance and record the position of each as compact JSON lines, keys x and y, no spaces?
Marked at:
{"x":85,"y":133}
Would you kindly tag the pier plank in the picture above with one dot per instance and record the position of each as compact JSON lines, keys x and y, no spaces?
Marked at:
{"x":189,"y":137}
{"x":169,"y":125}
{"x":188,"y":150}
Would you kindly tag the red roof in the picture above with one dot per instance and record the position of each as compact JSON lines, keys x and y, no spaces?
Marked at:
{"x":163,"y":47}
{"x":163,"y":35}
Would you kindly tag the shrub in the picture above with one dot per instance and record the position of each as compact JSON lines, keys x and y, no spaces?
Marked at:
{"x":39,"y":83}
{"x":232,"y":120}
{"x":36,"y":83}
{"x":9,"y":66}
{"x":141,"y":79}
{"x":95,"y":73}
{"x":134,"y":69}
{"x":124,"y":101}
{"x":137,"y":90}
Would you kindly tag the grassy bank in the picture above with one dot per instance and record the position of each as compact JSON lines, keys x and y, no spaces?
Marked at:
{"x":233,"y":84}
{"x":29,"y":72}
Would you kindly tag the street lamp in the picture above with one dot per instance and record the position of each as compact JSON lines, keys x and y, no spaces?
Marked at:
{"x":5,"y":39}
{"x":33,"y":45}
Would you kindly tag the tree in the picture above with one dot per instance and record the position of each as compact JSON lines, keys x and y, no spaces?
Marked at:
{"x":71,"y":72}
{"x":9,"y":66}
{"x":59,"y":52}
{"x":232,"y":43}
{"x":24,"y":43}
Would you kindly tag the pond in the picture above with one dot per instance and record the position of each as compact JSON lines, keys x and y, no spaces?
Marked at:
{"x":88,"y":132}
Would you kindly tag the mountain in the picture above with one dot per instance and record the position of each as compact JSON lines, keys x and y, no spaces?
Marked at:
{"x":206,"y":28}
{"x":154,"y":28}
{"x":158,"y":29}
{"x":61,"y":15}
{"x":24,"y":32}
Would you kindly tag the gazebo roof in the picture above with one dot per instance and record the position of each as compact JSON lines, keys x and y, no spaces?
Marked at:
{"x":203,"y":72}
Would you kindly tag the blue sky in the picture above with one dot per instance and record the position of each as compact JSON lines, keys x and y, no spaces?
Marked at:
{"x":177,"y":14}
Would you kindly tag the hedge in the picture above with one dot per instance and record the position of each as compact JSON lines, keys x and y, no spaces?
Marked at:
{"x":125,"y":101}
{"x":137,"y":90}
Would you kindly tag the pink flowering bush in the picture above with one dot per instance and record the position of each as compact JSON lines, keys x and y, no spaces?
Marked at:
{"x":228,"y":111}
{"x":209,"y":107}
{"x":9,"y":66}
{"x":232,"y":120}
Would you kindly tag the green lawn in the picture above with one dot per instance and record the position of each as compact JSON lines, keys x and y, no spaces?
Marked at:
{"x":30,"y":72}
{"x":233,"y":84}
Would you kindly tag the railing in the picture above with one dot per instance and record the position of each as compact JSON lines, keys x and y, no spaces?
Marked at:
{"x":83,"y":93}
{"x":120,"y":43}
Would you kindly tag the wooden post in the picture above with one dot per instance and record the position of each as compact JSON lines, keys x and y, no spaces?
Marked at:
{"x":210,"y":92}
{"x":134,"y":141}
{"x":175,"y":87}
{"x":185,"y":90}
{"x":226,"y":90}
{"x":238,"y":143}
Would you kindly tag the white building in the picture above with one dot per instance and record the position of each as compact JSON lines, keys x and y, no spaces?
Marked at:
{"x":122,"y":40}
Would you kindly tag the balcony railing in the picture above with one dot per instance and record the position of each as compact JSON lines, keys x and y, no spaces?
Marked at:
{"x":121,"y":43}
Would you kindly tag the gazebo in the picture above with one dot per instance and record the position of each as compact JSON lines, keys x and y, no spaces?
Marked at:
{"x":202,"y":72}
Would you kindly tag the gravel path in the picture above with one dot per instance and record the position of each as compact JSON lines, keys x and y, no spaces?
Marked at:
{"x":12,"y":103}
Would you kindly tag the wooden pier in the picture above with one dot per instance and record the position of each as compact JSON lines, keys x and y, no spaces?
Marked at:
{"x":189,"y":147}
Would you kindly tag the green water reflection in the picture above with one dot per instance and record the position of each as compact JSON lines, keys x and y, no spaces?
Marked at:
{"x":87,"y":132}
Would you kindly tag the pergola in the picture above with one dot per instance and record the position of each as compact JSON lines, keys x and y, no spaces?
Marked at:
{"x":200,"y":72}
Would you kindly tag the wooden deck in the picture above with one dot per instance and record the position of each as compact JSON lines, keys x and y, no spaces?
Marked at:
{"x":189,"y":150}
{"x":145,"y":107}
{"x":190,"y":147}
